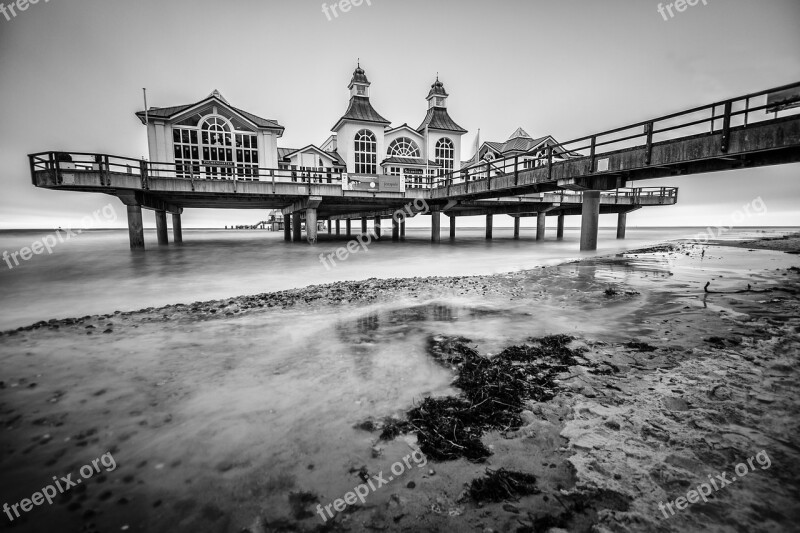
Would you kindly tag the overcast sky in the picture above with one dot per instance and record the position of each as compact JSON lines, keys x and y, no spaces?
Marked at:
{"x":71,"y":74}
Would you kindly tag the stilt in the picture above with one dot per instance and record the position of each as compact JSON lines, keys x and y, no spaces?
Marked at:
{"x":287,"y":228}
{"x":378,"y":228}
{"x":338,"y":227}
{"x":395,"y":229}
{"x":177,"y":230}
{"x":622,"y":222}
{"x":516,"y":227}
{"x":541,"y":223}
{"x":349,"y":227}
{"x":560,"y":230}
{"x":161,"y":228}
{"x":403,"y":229}
{"x":135,"y":227}
{"x":590,"y":220}
{"x":452,"y":227}
{"x":363,"y":225}
{"x":436,"y":226}
{"x":489,"y":222}
{"x":297,"y":227}
{"x":311,"y":225}
{"x":330,"y":227}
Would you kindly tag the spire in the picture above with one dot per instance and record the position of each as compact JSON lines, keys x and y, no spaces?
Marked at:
{"x":359,"y":80}
{"x":520,"y":134}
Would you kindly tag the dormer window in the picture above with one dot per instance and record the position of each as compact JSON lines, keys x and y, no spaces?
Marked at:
{"x":361,"y":91}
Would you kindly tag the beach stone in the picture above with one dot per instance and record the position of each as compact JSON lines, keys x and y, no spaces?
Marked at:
{"x":675,"y":404}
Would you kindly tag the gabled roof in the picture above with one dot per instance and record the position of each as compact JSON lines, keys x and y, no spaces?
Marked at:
{"x":439,"y":119}
{"x":286,"y":153}
{"x":412,"y":161}
{"x":519,"y":133}
{"x":406,"y":127}
{"x":170,"y":112}
{"x":360,"y":110}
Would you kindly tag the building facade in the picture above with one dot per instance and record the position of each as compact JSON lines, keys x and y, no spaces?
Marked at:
{"x":211,"y":139}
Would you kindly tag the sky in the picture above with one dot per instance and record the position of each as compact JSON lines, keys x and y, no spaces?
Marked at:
{"x":72,"y":73}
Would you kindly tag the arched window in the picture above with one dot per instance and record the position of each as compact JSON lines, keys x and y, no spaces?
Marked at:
{"x":445,"y":154}
{"x":403,"y":147}
{"x":217,"y":145}
{"x":366,"y":150}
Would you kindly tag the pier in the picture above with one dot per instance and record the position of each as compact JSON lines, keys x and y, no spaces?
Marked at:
{"x":585,"y":177}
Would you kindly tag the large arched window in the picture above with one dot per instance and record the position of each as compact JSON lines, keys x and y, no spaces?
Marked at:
{"x":445,"y":153}
{"x":217,"y":145}
{"x":403,"y":147}
{"x":366,"y":150}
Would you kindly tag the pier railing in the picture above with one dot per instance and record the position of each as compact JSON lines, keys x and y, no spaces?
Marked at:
{"x":64,"y":163}
{"x":715,"y":118}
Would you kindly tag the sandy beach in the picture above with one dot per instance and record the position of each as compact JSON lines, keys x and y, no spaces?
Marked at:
{"x":671,"y":386}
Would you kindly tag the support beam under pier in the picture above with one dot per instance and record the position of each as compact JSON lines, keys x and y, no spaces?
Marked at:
{"x":560,"y":230}
{"x":622,"y":222}
{"x":338,"y":227}
{"x":516,"y":227}
{"x":403,"y":229}
{"x":452,"y":227}
{"x":135,"y":227}
{"x":590,"y":220}
{"x":378,"y":228}
{"x":395,"y":229}
{"x":177,"y":230}
{"x":297,"y":227}
{"x":489,"y":222}
{"x":436,"y":226}
{"x":161,"y":228}
{"x":349,"y":227}
{"x":287,"y":228}
{"x":541,"y":224}
{"x":363,"y":225}
{"x":311,"y":225}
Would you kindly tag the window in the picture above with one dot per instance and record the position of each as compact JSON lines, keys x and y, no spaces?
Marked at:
{"x":213,"y":149}
{"x":403,"y":147}
{"x":445,"y":153}
{"x":186,"y":151}
{"x":366,"y":149}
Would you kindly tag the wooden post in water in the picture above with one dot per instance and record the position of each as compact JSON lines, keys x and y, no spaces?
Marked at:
{"x":622,"y":222}
{"x":338,"y":227}
{"x":436,"y":226}
{"x":348,"y":227}
{"x":311,"y":225}
{"x":541,"y":222}
{"x":560,"y":230}
{"x":363,"y":225}
{"x":287,"y":228}
{"x":378,"y":227}
{"x":161,"y":228}
{"x":516,"y":227}
{"x":135,"y":227}
{"x":590,"y":220}
{"x":452,"y":227}
{"x":395,"y":229}
{"x":177,"y":230}
{"x":489,"y":221}
{"x":297,"y":227}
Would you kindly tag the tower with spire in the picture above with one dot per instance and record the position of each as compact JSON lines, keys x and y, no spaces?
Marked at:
{"x":360,"y":139}
{"x":442,"y":134}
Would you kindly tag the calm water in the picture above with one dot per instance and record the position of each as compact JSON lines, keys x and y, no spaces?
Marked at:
{"x":96,"y":272}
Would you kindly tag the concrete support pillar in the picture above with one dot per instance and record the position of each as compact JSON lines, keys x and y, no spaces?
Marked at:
{"x":452,"y":226}
{"x":395,"y":229}
{"x":135,"y":227}
{"x":560,"y":230}
{"x":161,"y":228}
{"x":364,"y":225}
{"x":590,"y":220}
{"x":516,"y":226}
{"x":349,"y":227}
{"x":489,"y":222}
{"x":287,"y":228}
{"x":541,"y":224}
{"x":297,"y":227}
{"x":622,"y":223}
{"x":436,"y":226}
{"x":403,"y":229}
{"x":378,"y":228}
{"x":338,"y":227}
{"x":311,"y":225}
{"x":330,"y":226}
{"x":177,"y":230}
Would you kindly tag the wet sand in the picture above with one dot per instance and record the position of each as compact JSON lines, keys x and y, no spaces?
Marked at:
{"x":210,"y":433}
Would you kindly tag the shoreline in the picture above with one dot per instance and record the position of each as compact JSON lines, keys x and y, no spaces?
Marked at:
{"x":332,"y":293}
{"x":693,"y":387}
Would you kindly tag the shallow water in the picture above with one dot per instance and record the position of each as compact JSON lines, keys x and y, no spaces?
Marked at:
{"x":95,"y":272}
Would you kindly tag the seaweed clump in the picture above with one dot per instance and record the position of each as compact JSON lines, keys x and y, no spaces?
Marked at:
{"x":494,"y":392}
{"x":501,"y":485}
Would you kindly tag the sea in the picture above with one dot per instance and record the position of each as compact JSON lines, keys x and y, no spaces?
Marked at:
{"x":95,"y":272}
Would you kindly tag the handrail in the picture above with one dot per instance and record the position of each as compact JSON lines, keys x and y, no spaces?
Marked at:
{"x":477,"y":171}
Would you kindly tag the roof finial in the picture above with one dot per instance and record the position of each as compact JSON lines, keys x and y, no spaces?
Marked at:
{"x":359,"y":62}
